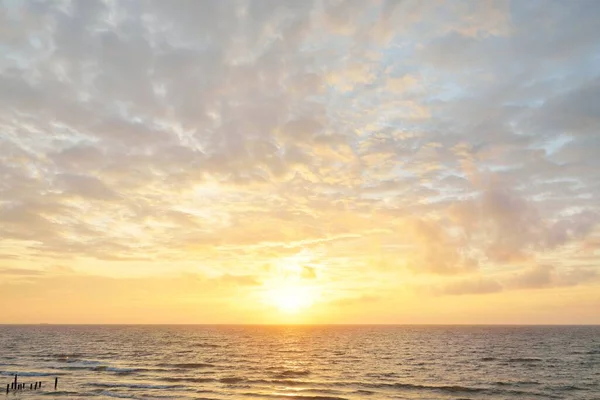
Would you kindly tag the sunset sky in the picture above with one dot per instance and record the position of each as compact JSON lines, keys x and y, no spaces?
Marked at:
{"x":362,"y":161}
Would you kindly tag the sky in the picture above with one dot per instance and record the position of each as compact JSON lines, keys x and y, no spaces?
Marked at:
{"x":266,"y":161}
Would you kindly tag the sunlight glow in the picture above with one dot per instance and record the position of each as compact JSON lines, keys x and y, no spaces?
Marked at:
{"x":291,"y":298}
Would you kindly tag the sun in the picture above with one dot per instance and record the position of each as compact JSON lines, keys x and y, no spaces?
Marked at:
{"x":291,"y":298}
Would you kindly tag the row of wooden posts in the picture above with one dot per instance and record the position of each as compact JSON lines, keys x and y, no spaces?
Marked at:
{"x":15,"y":385}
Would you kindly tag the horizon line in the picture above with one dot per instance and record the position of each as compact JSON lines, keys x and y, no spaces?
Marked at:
{"x":294,"y":324}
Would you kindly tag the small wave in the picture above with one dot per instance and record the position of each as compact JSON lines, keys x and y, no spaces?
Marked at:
{"x":28,"y":373}
{"x":232,"y":380}
{"x":298,"y":397}
{"x":117,"y":395}
{"x":488,"y":359}
{"x":524,"y":360}
{"x":410,"y":386}
{"x":60,"y":393}
{"x":116,"y":369}
{"x":519,"y":383}
{"x":66,"y":355}
{"x":290,"y":374}
{"x":191,"y":380}
{"x":570,"y":388}
{"x":384,"y":375}
{"x":187,"y":365}
{"x":75,"y":363}
{"x":207,"y":345}
{"x":134,"y":385}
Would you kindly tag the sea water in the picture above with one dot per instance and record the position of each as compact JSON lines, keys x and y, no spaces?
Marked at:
{"x":303,"y":362}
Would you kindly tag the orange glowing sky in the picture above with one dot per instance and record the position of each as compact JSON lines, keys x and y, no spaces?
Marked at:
{"x":238,"y":161}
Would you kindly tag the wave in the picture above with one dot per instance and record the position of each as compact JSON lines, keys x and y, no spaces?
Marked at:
{"x":97,"y":366}
{"x":449,"y":389}
{"x":295,"y":397}
{"x":570,"y":388}
{"x":207,"y":345}
{"x":524,"y":360}
{"x":190,"y":380}
{"x":235,"y":380}
{"x":290,"y":374}
{"x":66,"y":355}
{"x":232,"y":380}
{"x":364,"y":392}
{"x":519,"y":383}
{"x":60,"y":393}
{"x":187,"y":365}
{"x":120,"y":371}
{"x":134,"y":385}
{"x":28,"y":373}
{"x":117,"y":395}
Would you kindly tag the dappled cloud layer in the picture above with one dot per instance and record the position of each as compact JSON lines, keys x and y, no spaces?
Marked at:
{"x":403,"y":161}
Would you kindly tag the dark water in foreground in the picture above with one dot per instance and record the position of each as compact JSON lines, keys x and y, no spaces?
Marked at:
{"x":319,"y":362}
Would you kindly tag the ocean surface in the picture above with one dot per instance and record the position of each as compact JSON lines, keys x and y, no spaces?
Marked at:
{"x":303,"y":362}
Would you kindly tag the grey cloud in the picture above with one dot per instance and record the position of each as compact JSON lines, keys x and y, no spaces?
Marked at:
{"x":542,"y":276}
{"x":575,"y":112}
{"x":471,"y":286}
{"x":86,"y":186}
{"x":535,"y":277}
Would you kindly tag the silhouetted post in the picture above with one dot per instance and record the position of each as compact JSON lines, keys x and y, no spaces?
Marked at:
{"x":40,"y":384}
{"x":7,"y":387}
{"x":55,"y":383}
{"x":35,"y":386}
{"x":30,"y":386}
{"x":12,"y":386}
{"x":15,"y":381}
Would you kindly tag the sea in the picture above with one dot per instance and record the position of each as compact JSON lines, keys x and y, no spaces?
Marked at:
{"x":302,"y":362}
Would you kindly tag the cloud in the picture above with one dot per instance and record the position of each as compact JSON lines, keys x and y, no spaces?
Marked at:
{"x":86,"y":186}
{"x":534,"y":277}
{"x":20,"y":272}
{"x":351,"y":301}
{"x":439,"y":251}
{"x":575,"y":112}
{"x":541,"y":276}
{"x":471,"y":286}
{"x":446,"y":138}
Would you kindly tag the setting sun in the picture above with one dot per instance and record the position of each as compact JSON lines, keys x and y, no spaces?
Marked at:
{"x":291,"y":298}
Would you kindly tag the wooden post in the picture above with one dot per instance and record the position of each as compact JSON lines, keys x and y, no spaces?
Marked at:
{"x":55,"y":383}
{"x":35,"y":386}
{"x":30,"y":386}
{"x":7,"y":386}
{"x":40,"y":384}
{"x":15,"y":381}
